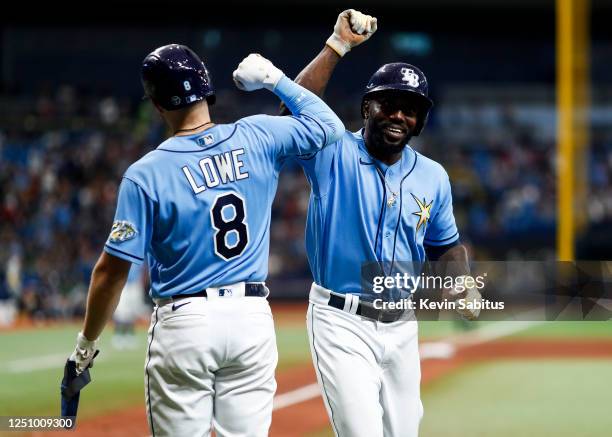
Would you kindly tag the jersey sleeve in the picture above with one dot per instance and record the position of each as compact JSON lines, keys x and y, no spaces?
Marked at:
{"x":312,"y":126}
{"x":442,"y":230}
{"x":132,"y":227}
{"x":318,"y":168}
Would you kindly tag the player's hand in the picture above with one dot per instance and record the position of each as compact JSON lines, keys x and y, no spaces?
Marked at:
{"x":351,"y":29}
{"x":84,"y":353}
{"x":471,"y":298}
{"x":255,"y":72}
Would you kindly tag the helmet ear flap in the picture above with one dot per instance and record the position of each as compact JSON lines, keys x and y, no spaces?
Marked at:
{"x":422,"y":117}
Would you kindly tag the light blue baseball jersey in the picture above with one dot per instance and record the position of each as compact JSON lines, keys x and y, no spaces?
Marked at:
{"x":352,"y":218}
{"x":198,"y":207}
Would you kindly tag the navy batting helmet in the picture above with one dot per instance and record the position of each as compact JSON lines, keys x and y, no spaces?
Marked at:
{"x":402,"y":77}
{"x":175,"y":77}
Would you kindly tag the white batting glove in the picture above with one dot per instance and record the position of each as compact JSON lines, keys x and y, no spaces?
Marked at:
{"x":471,"y":297}
{"x":84,"y":353}
{"x":255,"y":72}
{"x":351,"y":29}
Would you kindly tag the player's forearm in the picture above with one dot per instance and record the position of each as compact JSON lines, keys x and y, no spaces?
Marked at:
{"x":455,"y":261}
{"x":351,"y":29}
{"x":107,"y":281}
{"x":316,"y":75}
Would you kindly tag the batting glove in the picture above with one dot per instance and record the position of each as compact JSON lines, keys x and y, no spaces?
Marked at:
{"x":472,"y":298}
{"x":255,"y":72}
{"x":84,"y":353}
{"x":351,"y":29}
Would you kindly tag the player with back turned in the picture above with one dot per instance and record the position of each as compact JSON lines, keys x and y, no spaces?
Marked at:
{"x":373,"y":198}
{"x":197,"y":211}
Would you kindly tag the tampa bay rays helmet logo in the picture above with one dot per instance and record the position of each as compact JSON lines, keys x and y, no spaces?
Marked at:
{"x":409,"y":76}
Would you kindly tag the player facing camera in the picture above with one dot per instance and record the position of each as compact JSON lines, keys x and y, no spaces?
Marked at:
{"x":397,"y":206}
{"x":394,"y":107}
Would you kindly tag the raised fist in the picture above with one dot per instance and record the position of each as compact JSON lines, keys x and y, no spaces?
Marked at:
{"x":351,"y":29}
{"x":255,"y":72}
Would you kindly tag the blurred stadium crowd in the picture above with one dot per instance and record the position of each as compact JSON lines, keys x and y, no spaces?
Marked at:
{"x":63,"y":150}
{"x":59,"y":185}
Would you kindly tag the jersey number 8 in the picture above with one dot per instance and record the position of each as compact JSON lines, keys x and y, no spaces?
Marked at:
{"x":229,"y":227}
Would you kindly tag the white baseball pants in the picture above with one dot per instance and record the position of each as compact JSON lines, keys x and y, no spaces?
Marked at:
{"x":369,"y":372}
{"x":211,"y":362}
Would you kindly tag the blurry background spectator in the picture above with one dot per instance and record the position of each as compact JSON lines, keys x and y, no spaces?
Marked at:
{"x":72,"y":120}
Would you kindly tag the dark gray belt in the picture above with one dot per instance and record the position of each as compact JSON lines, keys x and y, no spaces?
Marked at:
{"x":367,"y":310}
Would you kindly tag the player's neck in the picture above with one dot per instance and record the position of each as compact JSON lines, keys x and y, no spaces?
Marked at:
{"x":384,"y":156}
{"x":190,"y":120}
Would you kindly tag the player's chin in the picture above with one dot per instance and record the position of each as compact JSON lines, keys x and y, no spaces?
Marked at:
{"x":394,"y":143}
{"x":390,"y":143}
{"x":393,"y":148}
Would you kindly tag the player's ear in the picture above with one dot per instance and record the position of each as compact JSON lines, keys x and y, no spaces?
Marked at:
{"x":365,"y":109}
{"x":159,"y":108}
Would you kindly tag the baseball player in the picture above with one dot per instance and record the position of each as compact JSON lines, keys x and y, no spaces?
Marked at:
{"x":373,"y":198}
{"x":197,"y":210}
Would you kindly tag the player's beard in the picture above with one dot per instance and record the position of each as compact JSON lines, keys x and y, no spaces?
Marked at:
{"x":384,"y":145}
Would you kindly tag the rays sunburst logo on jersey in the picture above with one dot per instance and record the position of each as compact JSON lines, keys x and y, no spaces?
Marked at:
{"x":121,"y":231}
{"x":424,"y":212}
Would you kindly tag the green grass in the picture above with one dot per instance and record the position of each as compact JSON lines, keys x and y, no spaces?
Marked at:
{"x":491,"y":399}
{"x":553,"y":330}
{"x":118,"y":376}
{"x":518,"y":399}
{"x":514,"y":399}
{"x":293,"y":349}
{"x":429,"y":330}
{"x":569,"y":330}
